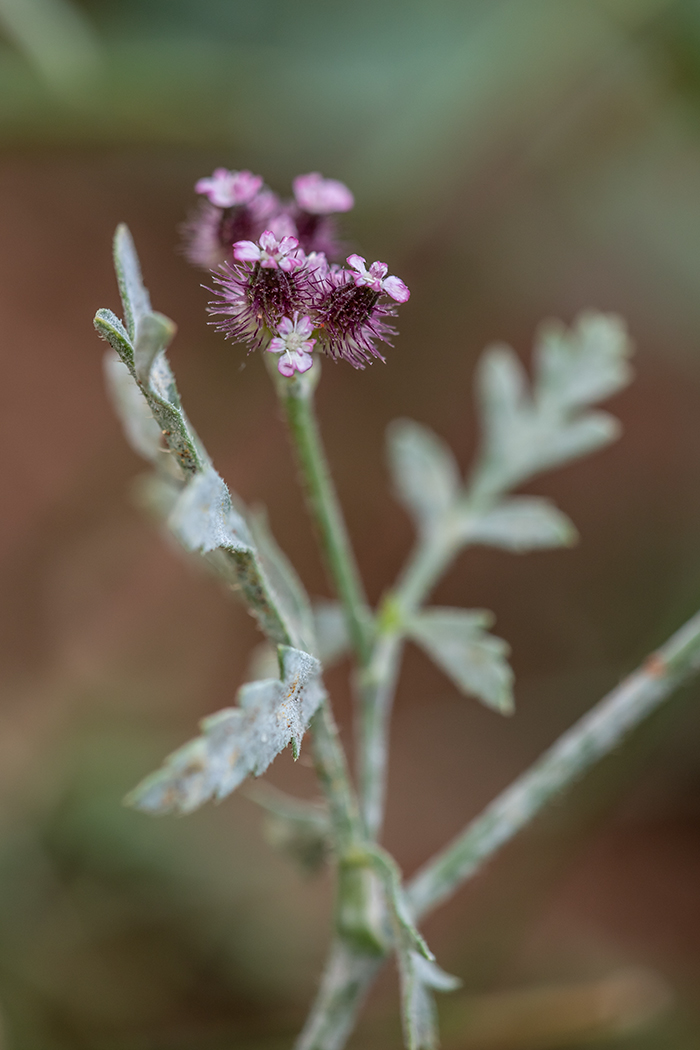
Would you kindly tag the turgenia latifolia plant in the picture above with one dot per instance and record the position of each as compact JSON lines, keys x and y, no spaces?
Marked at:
{"x":280,"y":289}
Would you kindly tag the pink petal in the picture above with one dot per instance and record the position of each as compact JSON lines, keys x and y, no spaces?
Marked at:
{"x":288,"y":244}
{"x":302,"y":361}
{"x":379,"y":269}
{"x":244,"y":186}
{"x":285,"y":327}
{"x":268,"y":241}
{"x":246,"y":251}
{"x":321,"y":196}
{"x":395,"y":287}
{"x":286,"y":367}
{"x":305,"y":326}
{"x":290,"y":262}
{"x":276,"y":346}
{"x":358,"y":263}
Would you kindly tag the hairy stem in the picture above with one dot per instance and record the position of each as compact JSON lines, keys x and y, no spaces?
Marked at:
{"x":346,"y":980}
{"x":297,"y":399}
{"x":595,"y":735}
{"x":377,"y":681}
{"x":332,"y":772}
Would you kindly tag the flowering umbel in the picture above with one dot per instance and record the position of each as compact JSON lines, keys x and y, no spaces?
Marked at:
{"x":279,"y":286}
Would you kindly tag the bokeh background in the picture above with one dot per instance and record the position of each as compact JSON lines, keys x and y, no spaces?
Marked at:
{"x":512,"y":160}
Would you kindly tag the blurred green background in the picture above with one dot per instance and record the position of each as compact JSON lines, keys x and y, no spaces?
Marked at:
{"x":511,"y":160}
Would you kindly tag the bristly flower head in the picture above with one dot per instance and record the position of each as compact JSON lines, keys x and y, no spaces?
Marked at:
{"x":352,"y":317}
{"x":276,"y":286}
{"x":236,"y":207}
{"x":295,"y":344}
{"x":267,"y":282}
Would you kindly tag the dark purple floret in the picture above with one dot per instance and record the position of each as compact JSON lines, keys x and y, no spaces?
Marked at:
{"x":352,"y":320}
{"x":253,"y":299}
{"x":318,"y":233}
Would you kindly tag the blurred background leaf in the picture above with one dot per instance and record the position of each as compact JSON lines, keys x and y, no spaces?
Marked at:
{"x":512,"y":161}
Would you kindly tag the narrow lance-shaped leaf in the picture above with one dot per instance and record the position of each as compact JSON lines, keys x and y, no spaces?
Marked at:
{"x":418,"y":973}
{"x":331,"y":631}
{"x":203,"y":516}
{"x":419,"y":977}
{"x":476,"y":661}
{"x":425,"y":473}
{"x":237,"y":741}
{"x":289,"y":591}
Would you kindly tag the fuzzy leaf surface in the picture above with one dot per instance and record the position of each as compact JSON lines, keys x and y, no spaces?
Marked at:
{"x":528,"y":428}
{"x":237,"y":741}
{"x":330,"y":628}
{"x":424,"y":471}
{"x":289,"y":591}
{"x":204,"y":517}
{"x":476,"y":661}
{"x":419,"y":977}
{"x":521,"y":523}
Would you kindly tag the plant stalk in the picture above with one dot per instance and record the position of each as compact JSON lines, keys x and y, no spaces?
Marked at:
{"x":595,"y":735}
{"x":297,"y":398}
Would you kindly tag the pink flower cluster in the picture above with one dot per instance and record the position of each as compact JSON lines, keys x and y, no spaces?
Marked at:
{"x":236,"y":205}
{"x":279,"y":286}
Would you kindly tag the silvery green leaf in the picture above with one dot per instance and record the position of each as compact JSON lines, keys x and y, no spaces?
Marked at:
{"x":419,"y":978}
{"x":425,"y":473}
{"x":141,"y":346}
{"x":525,"y":431}
{"x":238,"y":741}
{"x":154,"y":334}
{"x":585,"y":364}
{"x":332,"y":639}
{"x":288,"y":589}
{"x":203,"y":518}
{"x":520,"y":523}
{"x":135,"y":298}
{"x":476,"y":661}
{"x":141,"y":430}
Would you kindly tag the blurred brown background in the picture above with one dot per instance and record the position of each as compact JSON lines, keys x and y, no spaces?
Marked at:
{"x":511,"y":160}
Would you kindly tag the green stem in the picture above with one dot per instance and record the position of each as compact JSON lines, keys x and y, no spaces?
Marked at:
{"x":595,"y":735}
{"x":377,"y":681}
{"x":297,"y":398}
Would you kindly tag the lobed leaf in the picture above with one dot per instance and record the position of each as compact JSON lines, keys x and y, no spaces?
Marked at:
{"x":424,"y":471}
{"x":526,"y":429}
{"x":519,"y":524}
{"x":237,"y":741}
{"x":585,"y":364}
{"x":476,"y":661}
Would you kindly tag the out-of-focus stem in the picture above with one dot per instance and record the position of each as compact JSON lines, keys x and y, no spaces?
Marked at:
{"x":595,"y":735}
{"x":346,"y":980}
